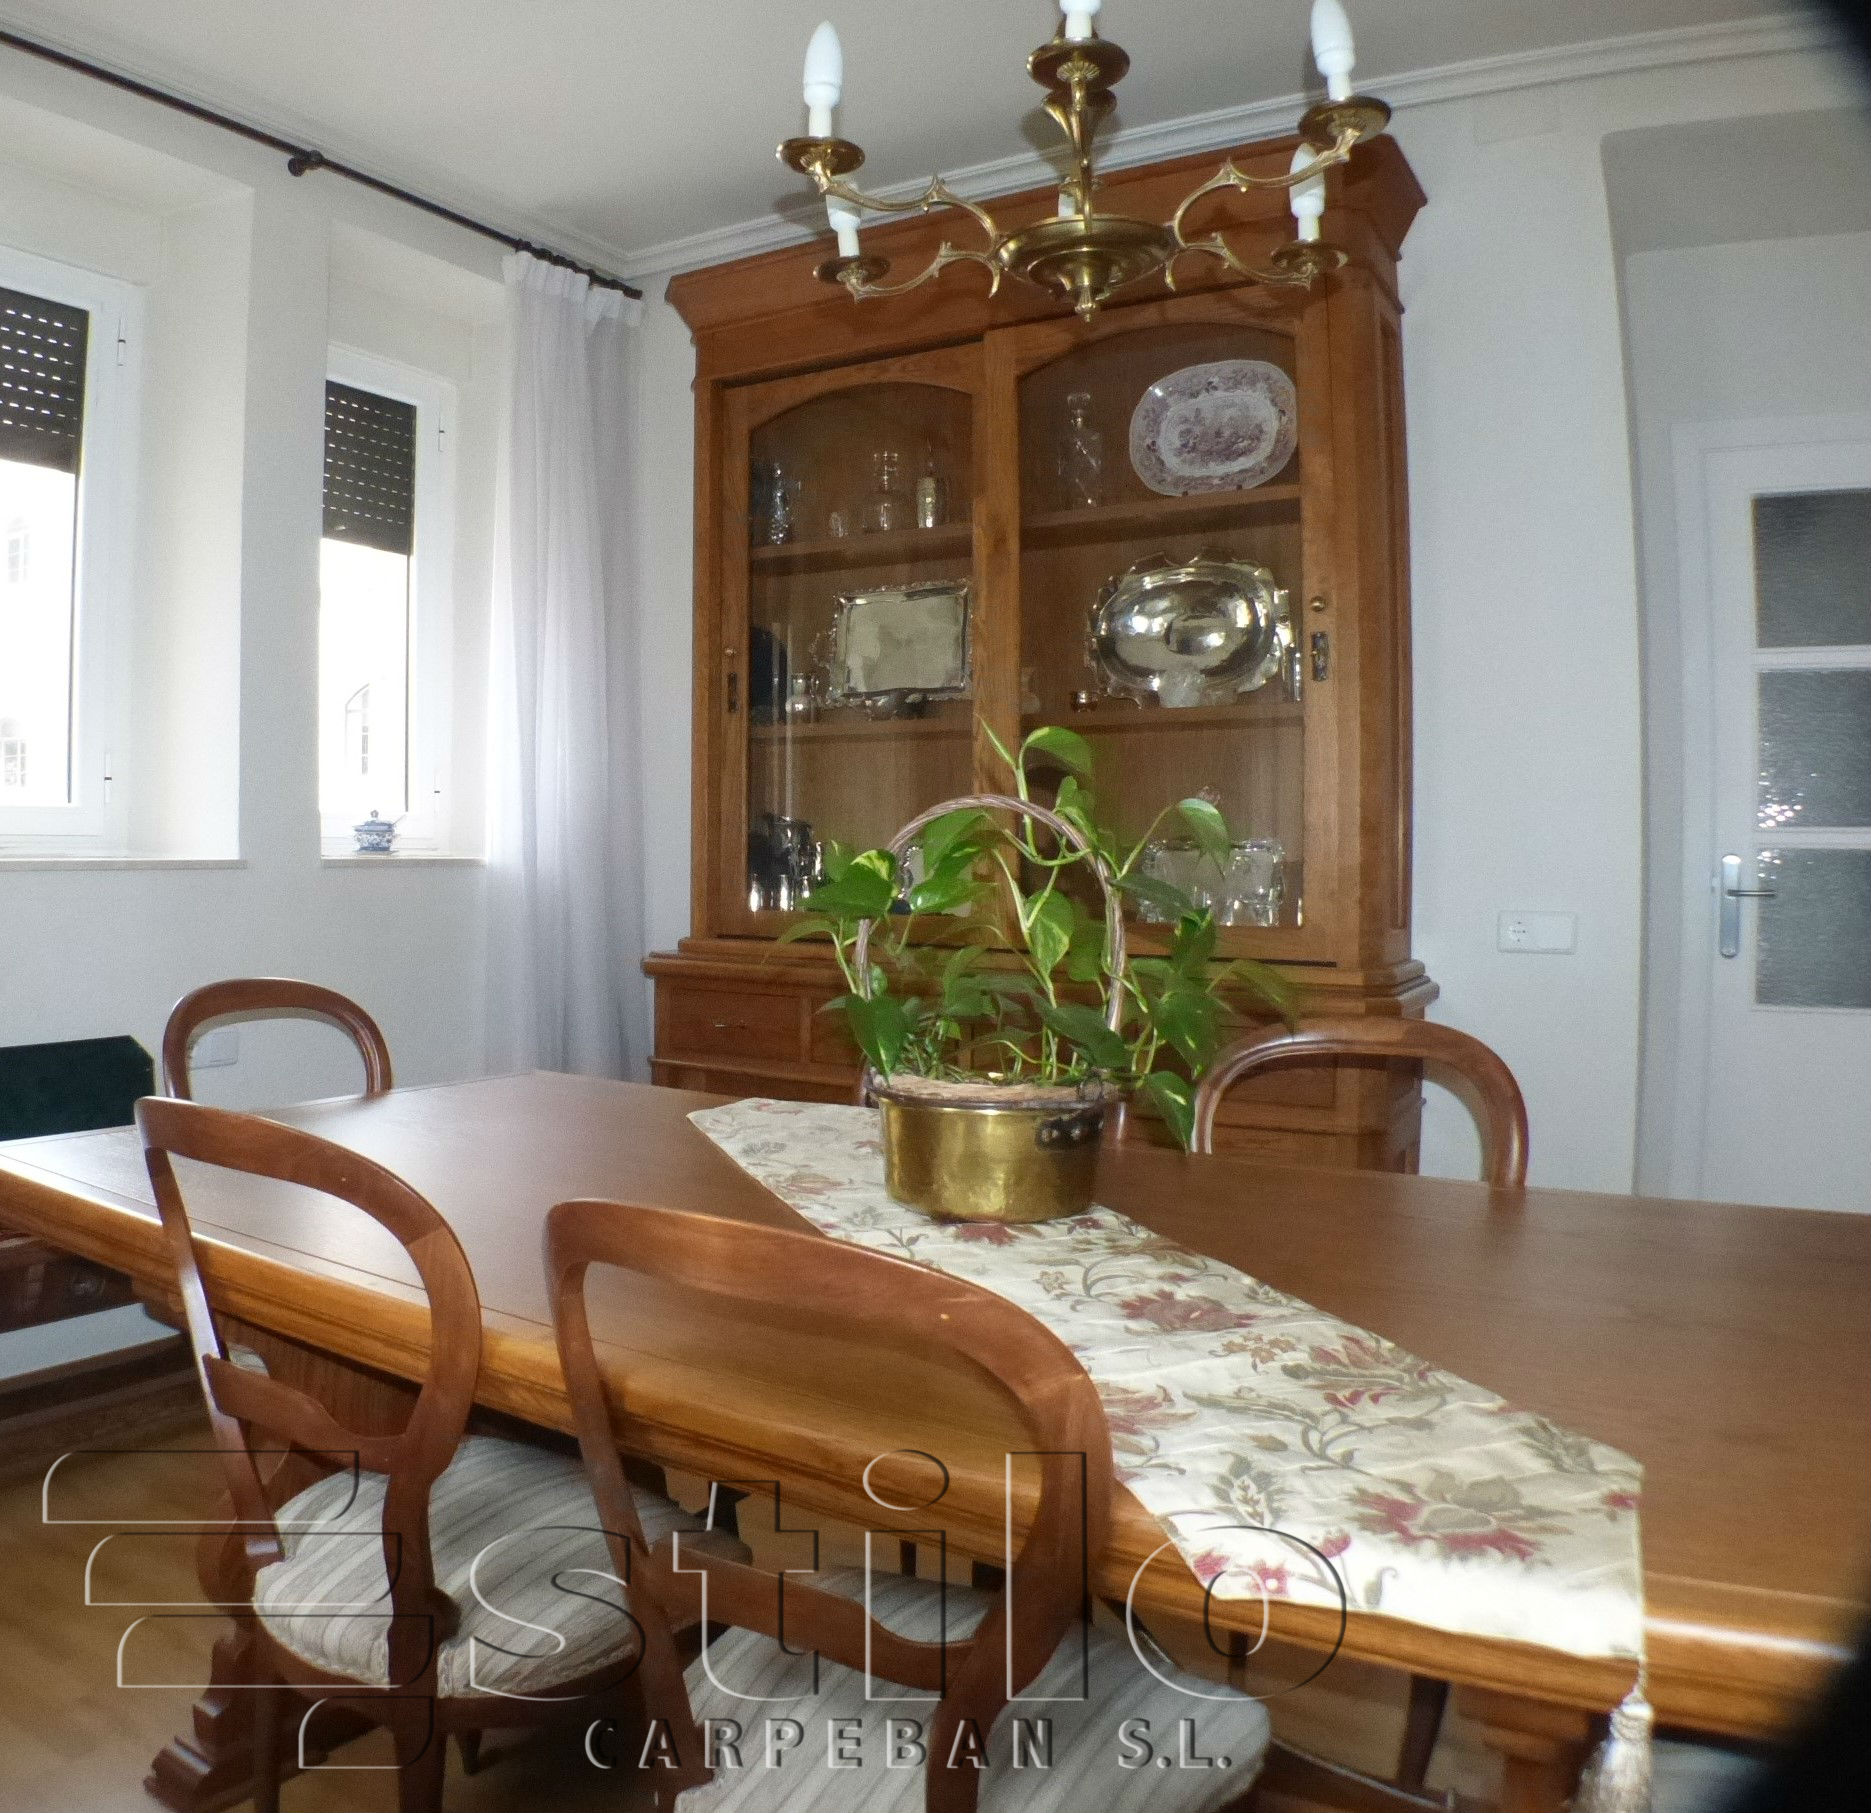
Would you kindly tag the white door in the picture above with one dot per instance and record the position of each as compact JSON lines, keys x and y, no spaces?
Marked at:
{"x":1778,"y":919}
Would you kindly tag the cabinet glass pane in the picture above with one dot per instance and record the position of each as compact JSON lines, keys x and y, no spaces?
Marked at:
{"x":1812,"y":568}
{"x":1815,"y":749}
{"x":1089,"y":517}
{"x":1814,"y":944}
{"x":859,"y":589}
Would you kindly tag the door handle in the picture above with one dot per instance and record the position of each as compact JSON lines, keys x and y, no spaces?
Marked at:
{"x":1733,"y":893}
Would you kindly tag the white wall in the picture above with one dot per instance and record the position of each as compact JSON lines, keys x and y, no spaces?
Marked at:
{"x":228,"y":595}
{"x":1772,"y":328}
{"x":1529,"y":790}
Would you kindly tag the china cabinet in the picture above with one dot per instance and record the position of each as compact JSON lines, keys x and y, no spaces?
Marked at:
{"x":1180,"y":529}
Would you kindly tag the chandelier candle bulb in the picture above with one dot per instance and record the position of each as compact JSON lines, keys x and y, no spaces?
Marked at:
{"x":845,"y":220}
{"x":1332,"y":48}
{"x":1308,"y":198}
{"x":825,"y":80}
{"x":1078,"y":19}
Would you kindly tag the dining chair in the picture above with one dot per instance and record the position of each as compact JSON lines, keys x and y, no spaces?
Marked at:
{"x":1492,"y":1096}
{"x":1086,"y":1679}
{"x":251,"y":995}
{"x":419,"y":1576}
{"x":1496,"y":1102}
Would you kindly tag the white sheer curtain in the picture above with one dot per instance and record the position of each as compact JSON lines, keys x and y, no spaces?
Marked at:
{"x":564,"y":841}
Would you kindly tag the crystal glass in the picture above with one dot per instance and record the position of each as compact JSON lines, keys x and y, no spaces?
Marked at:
{"x":1081,"y":455}
{"x":888,"y":506}
{"x":1253,"y":884}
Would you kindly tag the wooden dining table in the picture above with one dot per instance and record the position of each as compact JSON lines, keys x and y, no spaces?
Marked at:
{"x":1728,"y":1348}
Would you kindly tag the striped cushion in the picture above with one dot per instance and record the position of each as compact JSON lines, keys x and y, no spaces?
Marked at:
{"x":320,"y":1601}
{"x":1088,"y":1734}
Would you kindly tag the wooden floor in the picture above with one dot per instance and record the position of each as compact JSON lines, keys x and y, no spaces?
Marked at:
{"x":71,"y":1738}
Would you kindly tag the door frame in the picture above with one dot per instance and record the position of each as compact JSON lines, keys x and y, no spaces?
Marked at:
{"x":1680,"y":777}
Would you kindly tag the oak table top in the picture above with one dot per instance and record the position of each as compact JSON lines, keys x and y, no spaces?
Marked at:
{"x":1728,"y":1348}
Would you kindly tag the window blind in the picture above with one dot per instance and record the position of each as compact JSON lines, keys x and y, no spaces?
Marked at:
{"x":42,"y":355}
{"x":370,"y":469}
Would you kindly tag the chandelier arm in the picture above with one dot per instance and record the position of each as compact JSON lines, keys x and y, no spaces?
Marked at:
{"x":937,"y":195}
{"x":1295,"y":265}
{"x":861,"y":287}
{"x":1230,"y":176}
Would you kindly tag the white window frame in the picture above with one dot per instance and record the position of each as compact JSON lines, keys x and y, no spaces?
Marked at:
{"x":426,"y":824}
{"x":94,"y":822}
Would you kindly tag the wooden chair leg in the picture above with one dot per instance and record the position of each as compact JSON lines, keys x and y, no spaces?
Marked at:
{"x":470,"y":1742}
{"x":268,"y":1709}
{"x":1429,"y":1700}
{"x":421,"y":1764}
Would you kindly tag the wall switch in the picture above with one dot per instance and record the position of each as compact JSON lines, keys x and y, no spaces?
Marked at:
{"x":221,"y":1046}
{"x":1548,"y":933}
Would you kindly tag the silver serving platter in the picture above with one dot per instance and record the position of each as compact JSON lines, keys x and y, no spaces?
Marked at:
{"x":1190,"y":632}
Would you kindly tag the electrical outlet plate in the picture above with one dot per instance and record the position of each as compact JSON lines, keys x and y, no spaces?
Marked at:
{"x":1544,"y":934}
{"x":219,"y":1046}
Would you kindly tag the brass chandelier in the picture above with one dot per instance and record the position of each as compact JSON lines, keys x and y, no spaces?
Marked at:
{"x":1085,"y":253}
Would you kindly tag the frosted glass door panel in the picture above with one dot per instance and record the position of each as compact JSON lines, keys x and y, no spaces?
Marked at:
{"x":1812,"y":568}
{"x":1814,"y":947}
{"x":1815,"y":749}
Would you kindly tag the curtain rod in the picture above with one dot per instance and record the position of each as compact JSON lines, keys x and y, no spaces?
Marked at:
{"x":302,"y":159}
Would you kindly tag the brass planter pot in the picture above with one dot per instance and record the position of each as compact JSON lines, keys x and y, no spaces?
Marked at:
{"x":989,"y":1152}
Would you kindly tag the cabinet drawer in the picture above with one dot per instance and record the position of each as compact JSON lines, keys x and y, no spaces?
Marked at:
{"x":727,"y":1022}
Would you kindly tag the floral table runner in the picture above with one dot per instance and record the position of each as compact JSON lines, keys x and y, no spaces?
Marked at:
{"x":1231,"y":1403}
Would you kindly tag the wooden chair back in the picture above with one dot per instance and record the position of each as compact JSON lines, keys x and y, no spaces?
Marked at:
{"x":269,"y":995}
{"x":871,"y":1294}
{"x":1491,"y":1092}
{"x":252,"y":1414}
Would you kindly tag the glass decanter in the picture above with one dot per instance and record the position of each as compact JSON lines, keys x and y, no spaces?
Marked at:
{"x":1081,"y":455}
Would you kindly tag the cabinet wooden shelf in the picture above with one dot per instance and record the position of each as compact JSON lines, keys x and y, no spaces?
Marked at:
{"x":1159,"y":515}
{"x":900,"y":548}
{"x":862,"y":730}
{"x":843,"y":403}
{"x":1113,"y":717}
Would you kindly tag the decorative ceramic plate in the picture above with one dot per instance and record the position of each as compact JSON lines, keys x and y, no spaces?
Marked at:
{"x":1190,"y":632}
{"x":1225,"y":426}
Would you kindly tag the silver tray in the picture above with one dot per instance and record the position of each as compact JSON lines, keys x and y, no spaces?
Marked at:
{"x":900,"y":644}
{"x":1191,"y":632}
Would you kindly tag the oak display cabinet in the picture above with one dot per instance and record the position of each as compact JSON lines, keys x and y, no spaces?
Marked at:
{"x":905,"y":511}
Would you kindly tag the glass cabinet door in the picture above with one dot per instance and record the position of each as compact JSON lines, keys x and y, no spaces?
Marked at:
{"x":854,"y":555}
{"x":1162,"y":578}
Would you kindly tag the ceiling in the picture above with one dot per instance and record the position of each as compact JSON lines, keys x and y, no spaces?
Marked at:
{"x":620,"y":124}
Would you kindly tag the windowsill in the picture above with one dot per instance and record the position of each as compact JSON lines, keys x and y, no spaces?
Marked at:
{"x":385,"y":859}
{"x":30,"y":859}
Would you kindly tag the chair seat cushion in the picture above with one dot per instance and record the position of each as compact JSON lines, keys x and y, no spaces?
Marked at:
{"x":516,"y":1544}
{"x":1102,"y":1754}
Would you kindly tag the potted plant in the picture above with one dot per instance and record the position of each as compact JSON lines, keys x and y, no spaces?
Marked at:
{"x":994,"y":1079}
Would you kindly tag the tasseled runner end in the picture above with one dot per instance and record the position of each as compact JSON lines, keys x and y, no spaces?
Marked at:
{"x":1617,"y":1780}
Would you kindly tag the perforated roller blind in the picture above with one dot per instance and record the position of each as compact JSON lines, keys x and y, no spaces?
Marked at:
{"x":370,"y":469}
{"x":42,"y":354}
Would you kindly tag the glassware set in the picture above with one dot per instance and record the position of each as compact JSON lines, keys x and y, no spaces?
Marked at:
{"x":892,"y":504}
{"x":1247,"y":889}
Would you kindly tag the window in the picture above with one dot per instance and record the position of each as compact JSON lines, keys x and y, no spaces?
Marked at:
{"x":64,"y":459}
{"x":383,"y":599}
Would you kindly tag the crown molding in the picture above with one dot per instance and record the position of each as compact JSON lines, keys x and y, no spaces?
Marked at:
{"x":1226,"y":127}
